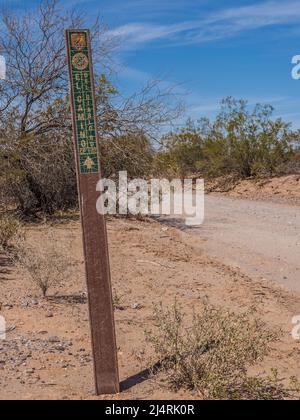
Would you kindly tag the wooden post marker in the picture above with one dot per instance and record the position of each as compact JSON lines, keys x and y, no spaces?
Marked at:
{"x":93,"y":224}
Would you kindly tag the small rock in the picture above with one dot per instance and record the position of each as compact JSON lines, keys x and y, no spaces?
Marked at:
{"x":54,"y":339}
{"x":137,"y":306}
{"x":60,"y":348}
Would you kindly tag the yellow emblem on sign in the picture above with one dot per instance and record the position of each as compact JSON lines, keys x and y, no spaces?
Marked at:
{"x":78,"y":41}
{"x":89,"y":163}
{"x":80,"y":61}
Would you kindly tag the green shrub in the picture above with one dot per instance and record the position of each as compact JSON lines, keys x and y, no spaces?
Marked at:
{"x":212,"y":354}
{"x":240,"y":141}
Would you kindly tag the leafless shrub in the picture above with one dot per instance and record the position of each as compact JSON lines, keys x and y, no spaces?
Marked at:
{"x":9,"y":229}
{"x":46,"y":264}
{"x":213,"y":354}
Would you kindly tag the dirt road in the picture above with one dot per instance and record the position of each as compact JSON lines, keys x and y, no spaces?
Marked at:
{"x":261,"y":238}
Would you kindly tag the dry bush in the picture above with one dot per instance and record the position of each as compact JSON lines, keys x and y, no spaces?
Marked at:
{"x":37,"y":168}
{"x":213,"y":355}
{"x":46,"y":263}
{"x":117,"y":301}
{"x":9,"y":229}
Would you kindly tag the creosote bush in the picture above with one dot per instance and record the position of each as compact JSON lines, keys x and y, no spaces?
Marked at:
{"x":9,"y":229}
{"x":213,"y":354}
{"x":242,"y":141}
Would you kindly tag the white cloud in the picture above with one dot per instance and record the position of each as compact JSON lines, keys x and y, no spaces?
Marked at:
{"x":139,"y":33}
{"x":220,"y":25}
{"x":153,"y":8}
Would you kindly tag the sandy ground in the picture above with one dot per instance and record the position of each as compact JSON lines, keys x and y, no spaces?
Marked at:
{"x":47,"y":351}
{"x":278,"y":189}
{"x":262,"y":238}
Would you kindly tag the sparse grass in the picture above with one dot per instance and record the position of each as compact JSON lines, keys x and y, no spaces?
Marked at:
{"x":9,"y":229}
{"x":213,"y":354}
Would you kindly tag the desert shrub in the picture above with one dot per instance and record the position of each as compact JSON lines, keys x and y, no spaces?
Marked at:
{"x":241,"y":141}
{"x":132,"y":153}
{"x":9,"y":229}
{"x":181,"y":153}
{"x":212,"y":355}
{"x":46,"y":263}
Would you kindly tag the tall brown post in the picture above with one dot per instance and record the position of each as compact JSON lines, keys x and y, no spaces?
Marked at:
{"x":93,"y":224}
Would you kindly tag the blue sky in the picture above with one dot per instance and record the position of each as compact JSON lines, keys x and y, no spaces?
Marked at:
{"x":211,"y":48}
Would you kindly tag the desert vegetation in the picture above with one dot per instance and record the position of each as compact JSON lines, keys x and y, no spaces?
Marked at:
{"x":211,"y":353}
{"x":44,"y":264}
{"x":10,"y":228}
{"x":36,"y":157}
{"x":242,"y":141}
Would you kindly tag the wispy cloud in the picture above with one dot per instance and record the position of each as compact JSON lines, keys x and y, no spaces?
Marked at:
{"x":211,"y":105}
{"x":154,"y":8}
{"x":140,"y":33}
{"x":220,"y":25}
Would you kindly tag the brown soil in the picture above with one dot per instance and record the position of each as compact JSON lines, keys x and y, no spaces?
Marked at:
{"x":47,"y":351}
{"x":280,"y":189}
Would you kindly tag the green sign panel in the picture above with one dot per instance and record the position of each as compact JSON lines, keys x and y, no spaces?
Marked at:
{"x":83,"y":102}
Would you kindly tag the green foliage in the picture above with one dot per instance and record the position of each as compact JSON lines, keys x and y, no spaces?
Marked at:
{"x":212,"y":354}
{"x":37,"y":170}
{"x":243,"y":142}
{"x":182,"y":151}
